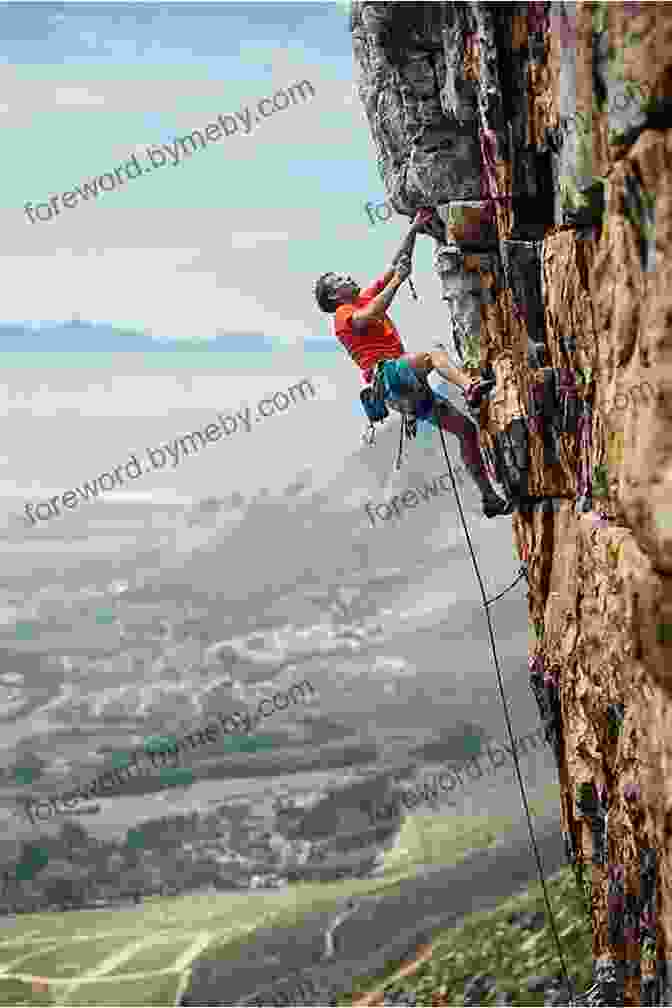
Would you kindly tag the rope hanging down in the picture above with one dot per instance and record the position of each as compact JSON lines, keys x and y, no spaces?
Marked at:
{"x":523,"y":574}
{"x":493,"y":646}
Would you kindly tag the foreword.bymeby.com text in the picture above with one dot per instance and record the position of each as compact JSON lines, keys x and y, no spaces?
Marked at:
{"x":212,"y":132}
{"x":159,"y":456}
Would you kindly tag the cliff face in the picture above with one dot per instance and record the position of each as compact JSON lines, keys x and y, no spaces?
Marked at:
{"x":542,"y":135}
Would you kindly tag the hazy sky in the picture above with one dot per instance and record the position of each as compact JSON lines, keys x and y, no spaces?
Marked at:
{"x":231,"y":239}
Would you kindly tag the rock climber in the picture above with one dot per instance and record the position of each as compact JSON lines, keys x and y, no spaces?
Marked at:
{"x":364,"y":328}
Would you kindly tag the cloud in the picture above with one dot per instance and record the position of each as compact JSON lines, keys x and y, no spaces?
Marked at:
{"x":174,"y":271}
{"x":250,"y":239}
{"x":77,"y":96}
{"x":166,"y":292}
{"x":161,"y":96}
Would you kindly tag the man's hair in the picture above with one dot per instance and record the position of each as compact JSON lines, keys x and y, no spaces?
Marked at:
{"x":323,"y":295}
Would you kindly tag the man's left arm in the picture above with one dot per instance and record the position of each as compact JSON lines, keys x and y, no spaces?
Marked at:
{"x":379,"y":285}
{"x":405,"y":249}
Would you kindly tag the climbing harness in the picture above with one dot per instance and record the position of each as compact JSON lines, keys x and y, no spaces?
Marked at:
{"x":493,"y":646}
{"x":396,"y":384}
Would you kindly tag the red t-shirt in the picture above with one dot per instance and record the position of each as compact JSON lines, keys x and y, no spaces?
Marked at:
{"x":379,"y":341}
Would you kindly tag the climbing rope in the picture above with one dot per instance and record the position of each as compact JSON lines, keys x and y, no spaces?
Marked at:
{"x":493,"y":646}
{"x":523,"y":574}
{"x":402,"y":431}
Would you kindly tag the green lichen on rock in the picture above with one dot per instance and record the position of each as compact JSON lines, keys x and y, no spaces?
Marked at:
{"x":472,"y":351}
{"x":615,"y":714}
{"x":585,"y":205}
{"x":639,"y":208}
{"x":642,"y":212}
{"x":600,"y":17}
{"x":569,"y":194}
{"x":664,"y":633}
{"x":584,"y":147}
{"x":584,"y":376}
{"x":586,"y":799}
{"x":600,"y":480}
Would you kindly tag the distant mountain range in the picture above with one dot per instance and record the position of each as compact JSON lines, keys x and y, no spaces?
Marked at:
{"x":77,"y":335}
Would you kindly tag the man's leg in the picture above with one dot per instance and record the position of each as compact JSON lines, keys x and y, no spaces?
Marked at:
{"x":466,"y":432}
{"x":438,"y":360}
{"x":462,"y":427}
{"x":441,"y":362}
{"x":424,"y":363}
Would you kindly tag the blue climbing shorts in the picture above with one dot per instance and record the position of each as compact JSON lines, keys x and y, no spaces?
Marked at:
{"x":400,"y":381}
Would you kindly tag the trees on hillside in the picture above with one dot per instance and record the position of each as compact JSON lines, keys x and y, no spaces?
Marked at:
{"x":64,"y":883}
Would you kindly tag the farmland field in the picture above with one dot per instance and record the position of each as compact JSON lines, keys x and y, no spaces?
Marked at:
{"x":142,"y":955}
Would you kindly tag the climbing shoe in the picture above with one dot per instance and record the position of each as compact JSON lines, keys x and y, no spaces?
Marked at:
{"x":493,"y":505}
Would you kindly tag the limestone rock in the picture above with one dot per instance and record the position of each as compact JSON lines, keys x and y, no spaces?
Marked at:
{"x":542,"y":134}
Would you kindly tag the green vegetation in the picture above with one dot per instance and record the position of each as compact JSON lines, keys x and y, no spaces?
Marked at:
{"x":473,"y":742}
{"x":25,"y":631}
{"x":470,"y":343}
{"x":642,"y":212}
{"x":664,"y":633}
{"x":32,"y":860}
{"x":247,"y":743}
{"x":176,"y":776}
{"x":447,"y":839}
{"x":151,"y":939}
{"x":429,"y":839}
{"x":26,"y":775}
{"x":227,"y":920}
{"x":159,"y":989}
{"x":584,"y":149}
{"x":19,"y":992}
{"x":584,"y":376}
{"x":488,"y":943}
{"x":569,"y":194}
{"x":600,"y":17}
{"x":600,"y":480}
{"x":135,"y":838}
{"x":161,"y":744}
{"x":472,"y":350}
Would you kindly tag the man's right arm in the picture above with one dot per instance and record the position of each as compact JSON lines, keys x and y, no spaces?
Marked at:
{"x":377,"y":307}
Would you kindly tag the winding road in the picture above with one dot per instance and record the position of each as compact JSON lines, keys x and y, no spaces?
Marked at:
{"x":331,"y":949}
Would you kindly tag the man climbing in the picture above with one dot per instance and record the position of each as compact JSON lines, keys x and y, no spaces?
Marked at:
{"x":364,"y":328}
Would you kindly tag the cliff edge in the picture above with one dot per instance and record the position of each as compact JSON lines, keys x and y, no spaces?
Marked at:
{"x":542,"y":135}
